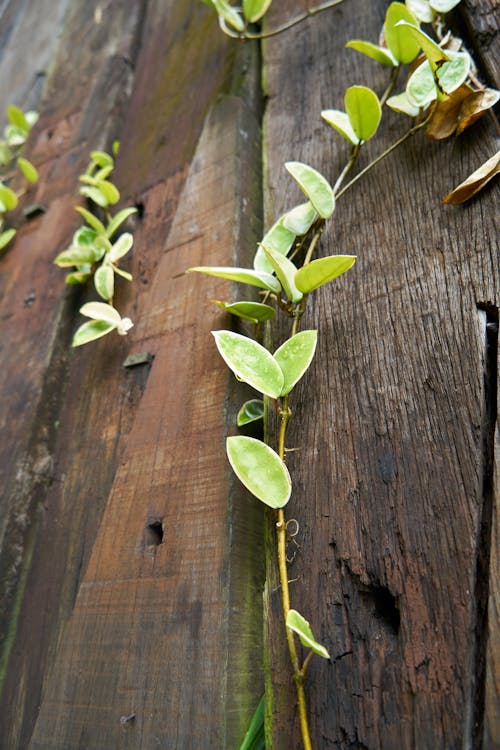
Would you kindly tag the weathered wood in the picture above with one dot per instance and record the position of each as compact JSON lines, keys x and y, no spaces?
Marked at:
{"x":389,"y":420}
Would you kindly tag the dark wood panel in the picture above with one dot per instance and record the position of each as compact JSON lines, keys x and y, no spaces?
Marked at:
{"x":388,"y":424}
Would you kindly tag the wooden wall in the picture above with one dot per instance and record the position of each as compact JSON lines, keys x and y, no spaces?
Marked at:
{"x":394,"y":479}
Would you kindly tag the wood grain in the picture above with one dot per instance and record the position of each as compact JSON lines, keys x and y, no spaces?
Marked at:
{"x":388,"y":471}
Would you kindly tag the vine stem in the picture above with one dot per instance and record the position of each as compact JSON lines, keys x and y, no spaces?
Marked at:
{"x":285,"y":26}
{"x":347,"y":168}
{"x":298,"y":673}
{"x":381,"y":156}
{"x":392,"y":83}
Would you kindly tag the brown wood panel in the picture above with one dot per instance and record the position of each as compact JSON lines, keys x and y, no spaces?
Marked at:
{"x":150,"y":631}
{"x":389,"y":422}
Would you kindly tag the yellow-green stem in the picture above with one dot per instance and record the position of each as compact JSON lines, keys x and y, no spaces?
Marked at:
{"x":283,"y":27}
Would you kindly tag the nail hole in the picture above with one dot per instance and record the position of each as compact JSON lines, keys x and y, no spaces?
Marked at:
{"x":154,"y":533}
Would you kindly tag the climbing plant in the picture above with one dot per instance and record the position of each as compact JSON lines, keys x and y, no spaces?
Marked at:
{"x":12,"y":164}
{"x":95,"y":252}
{"x":441,"y":96}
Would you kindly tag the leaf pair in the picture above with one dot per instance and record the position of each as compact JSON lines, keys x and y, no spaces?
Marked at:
{"x":104,"y":320}
{"x":362,"y":117}
{"x":274,"y":375}
{"x":401,"y":46}
{"x":230,"y":16}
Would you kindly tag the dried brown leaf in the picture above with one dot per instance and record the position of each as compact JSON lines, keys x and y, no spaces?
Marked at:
{"x":474,"y":106}
{"x":445,"y":118}
{"x":475,"y":182}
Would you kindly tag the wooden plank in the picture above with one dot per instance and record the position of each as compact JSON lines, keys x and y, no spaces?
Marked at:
{"x":389,"y":473}
{"x":153,"y":623}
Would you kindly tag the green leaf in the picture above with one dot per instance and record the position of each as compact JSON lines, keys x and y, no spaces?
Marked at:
{"x":364,"y":111}
{"x":443,"y":6}
{"x":260,"y":469}
{"x":95,"y":195}
{"x":77,"y":254}
{"x":104,"y":281}
{"x":84,"y":236}
{"x":77,"y":277}
{"x":259,"y":279}
{"x":253,"y":10}
{"x":315,"y":187}
{"x":380,"y":54}
{"x":285,"y":271}
{"x":28,"y":170}
{"x":5,"y":154}
{"x":107,"y":313}
{"x":91,"y":220}
{"x":422,"y":10}
{"x":294,"y":357}
{"x":118,"y":220}
{"x":15,"y":136}
{"x":251,"y":411}
{"x":250,"y":362}
{"x":401,"y":42}
{"x":102,"y":159}
{"x":278,"y":238}
{"x":109,"y":191}
{"x":255,"y":736}
{"x":122,"y":273}
{"x":8,"y":198}
{"x":256,"y":312}
{"x":5,"y":237}
{"x":433,"y":52}
{"x":103,"y":173}
{"x":31,"y":118}
{"x":322,"y":270}
{"x":340,"y":121}
{"x":421,"y":88}
{"x":299,"y":625}
{"x":115,"y":148}
{"x":300,"y":219}
{"x":91,"y":331}
{"x":17,"y":117}
{"x":121,"y":247}
{"x":401,"y":103}
{"x":452,"y":74}
{"x":229,"y":14}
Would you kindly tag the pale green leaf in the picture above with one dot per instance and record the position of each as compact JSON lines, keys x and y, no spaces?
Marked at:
{"x":260,"y":469}
{"x":101,"y":311}
{"x":8,"y":197}
{"x":260,"y":279}
{"x":102,"y":159}
{"x":122,"y":273}
{"x":380,"y":54}
{"x":103,"y":173}
{"x":443,"y":6}
{"x":77,"y":254}
{"x":91,"y":220}
{"x":322,"y":270}
{"x":401,"y":103}
{"x":104,"y":281}
{"x":452,"y":74}
{"x":84,"y":236}
{"x":299,"y":625}
{"x":364,"y":111}
{"x":77,"y":277}
{"x":27,"y":168}
{"x":251,"y":411}
{"x":253,"y":10}
{"x":294,"y":357}
{"x":5,"y":153}
{"x":400,"y":40}
{"x":256,"y":312}
{"x":421,"y":88}
{"x":121,"y":247}
{"x":109,"y":191}
{"x":115,"y":148}
{"x":340,"y":121}
{"x":278,"y":238}
{"x":433,"y":52}
{"x":422,"y":10}
{"x":315,"y":187}
{"x":229,"y":14}
{"x":15,"y":136}
{"x":285,"y":271}
{"x":17,"y":117}
{"x":250,"y":362}
{"x":118,"y":220}
{"x":124,"y":326}
{"x":91,"y":331}
{"x":5,"y":237}
{"x":299,"y":220}
{"x":95,"y":195}
{"x":31,"y":118}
